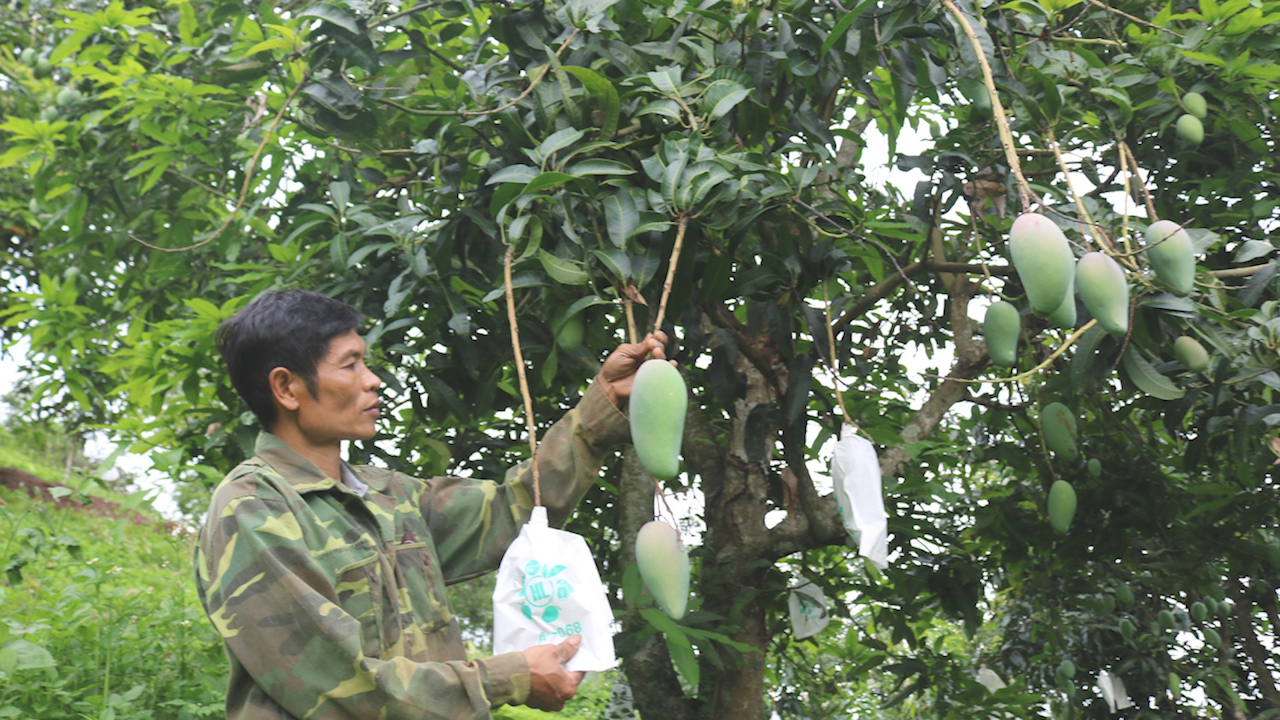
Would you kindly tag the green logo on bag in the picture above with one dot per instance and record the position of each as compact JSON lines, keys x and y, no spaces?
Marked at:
{"x":541,"y":590}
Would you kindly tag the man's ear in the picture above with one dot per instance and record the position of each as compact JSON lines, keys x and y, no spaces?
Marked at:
{"x":285,"y":387}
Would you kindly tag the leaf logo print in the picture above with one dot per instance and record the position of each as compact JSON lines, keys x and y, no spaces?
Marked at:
{"x":540,"y":591}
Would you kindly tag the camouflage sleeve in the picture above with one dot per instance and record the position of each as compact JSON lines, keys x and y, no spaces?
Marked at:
{"x":474,"y":521}
{"x":277,"y":607}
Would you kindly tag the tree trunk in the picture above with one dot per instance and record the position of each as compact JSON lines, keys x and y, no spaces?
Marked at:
{"x":655,"y":687}
{"x":734,"y":569}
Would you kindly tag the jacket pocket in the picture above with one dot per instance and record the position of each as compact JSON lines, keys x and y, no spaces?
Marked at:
{"x":359,"y":590}
{"x":424,"y":602}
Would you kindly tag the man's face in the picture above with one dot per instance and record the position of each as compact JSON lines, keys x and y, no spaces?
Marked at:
{"x":345,"y":405}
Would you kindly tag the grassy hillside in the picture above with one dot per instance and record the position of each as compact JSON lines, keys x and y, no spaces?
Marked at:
{"x":101,"y":618}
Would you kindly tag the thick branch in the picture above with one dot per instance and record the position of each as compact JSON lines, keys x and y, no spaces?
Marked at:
{"x":1253,"y":647}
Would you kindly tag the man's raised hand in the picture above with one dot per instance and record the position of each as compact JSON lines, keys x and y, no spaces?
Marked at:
{"x":619,"y":369}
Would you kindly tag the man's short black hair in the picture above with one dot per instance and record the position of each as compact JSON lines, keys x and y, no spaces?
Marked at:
{"x":284,"y":328}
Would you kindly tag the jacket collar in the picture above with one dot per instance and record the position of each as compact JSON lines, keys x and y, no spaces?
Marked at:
{"x":302,"y":474}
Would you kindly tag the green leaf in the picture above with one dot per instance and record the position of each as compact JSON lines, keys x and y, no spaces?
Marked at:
{"x":522,"y":174}
{"x":563,"y":270}
{"x":667,"y":80}
{"x":546,"y":180}
{"x":621,"y":216}
{"x":333,"y":14}
{"x":1144,"y":375}
{"x":558,"y":141}
{"x":722,"y":96}
{"x":616,"y":262}
{"x":843,"y":26}
{"x":30,"y":655}
{"x":604,"y":92}
{"x":682,"y":655}
{"x":599,"y":167}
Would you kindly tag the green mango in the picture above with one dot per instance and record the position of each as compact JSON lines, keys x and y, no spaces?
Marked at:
{"x":1094,"y":467}
{"x":1172,"y":255}
{"x":1124,"y":595}
{"x":659,"y":402}
{"x":570,"y":333}
{"x":1195,"y":104}
{"x":1216,"y":592}
{"x":1067,"y":669}
{"x":1166,"y":619}
{"x":1212,"y":638}
{"x":67,"y":96}
{"x":664,"y":566}
{"x":1199,"y":611}
{"x":1210,"y":605}
{"x":1065,"y":315}
{"x":1104,"y":291}
{"x":1043,"y":259}
{"x":1190,"y":129}
{"x":1059,"y":425}
{"x":1126,"y":629}
{"x":1190,"y":353}
{"x":1001,"y":328}
{"x":1062,"y":506}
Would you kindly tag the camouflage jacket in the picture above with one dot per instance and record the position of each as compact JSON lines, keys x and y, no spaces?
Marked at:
{"x":334,"y":606}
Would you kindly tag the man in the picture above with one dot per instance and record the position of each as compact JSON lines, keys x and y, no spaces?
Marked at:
{"x":327,"y":581}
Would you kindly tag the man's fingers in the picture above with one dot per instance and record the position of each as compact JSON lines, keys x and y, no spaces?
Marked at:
{"x":568,"y":648}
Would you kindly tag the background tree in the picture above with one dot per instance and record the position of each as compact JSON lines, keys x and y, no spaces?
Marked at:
{"x":163,"y":163}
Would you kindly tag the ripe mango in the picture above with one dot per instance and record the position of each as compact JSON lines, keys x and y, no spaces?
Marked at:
{"x":1001,"y":328}
{"x":1172,"y":255}
{"x":1190,"y":129}
{"x":1104,"y":291}
{"x":1195,"y":104}
{"x":664,"y":566}
{"x":1062,"y":506}
{"x":658,"y":405}
{"x":1043,"y":259}
{"x":1190,"y":353}
{"x":1059,"y":426}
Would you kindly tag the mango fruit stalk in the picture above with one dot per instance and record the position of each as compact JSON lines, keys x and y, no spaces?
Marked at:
{"x":664,"y":566}
{"x":659,"y":402}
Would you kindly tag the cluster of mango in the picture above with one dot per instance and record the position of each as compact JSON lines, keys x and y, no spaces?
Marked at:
{"x":659,"y":401}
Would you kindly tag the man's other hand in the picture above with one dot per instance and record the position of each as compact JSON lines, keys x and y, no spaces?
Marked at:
{"x":550,"y":684}
{"x":619,"y":369}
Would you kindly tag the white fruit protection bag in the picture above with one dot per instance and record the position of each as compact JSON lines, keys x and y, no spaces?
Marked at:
{"x":808,"y":606}
{"x":548,"y":590}
{"x":855,"y":470}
